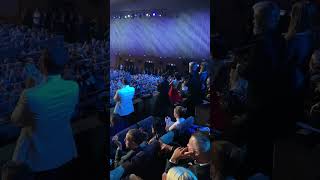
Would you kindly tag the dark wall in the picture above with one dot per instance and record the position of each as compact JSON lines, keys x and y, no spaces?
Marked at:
{"x":90,"y":8}
{"x":232,"y":18}
{"x":8,"y":8}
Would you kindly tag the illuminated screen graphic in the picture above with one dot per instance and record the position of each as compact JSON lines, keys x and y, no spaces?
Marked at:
{"x":183,"y":35}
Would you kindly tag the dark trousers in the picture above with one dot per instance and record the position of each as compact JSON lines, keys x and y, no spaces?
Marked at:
{"x":63,"y":172}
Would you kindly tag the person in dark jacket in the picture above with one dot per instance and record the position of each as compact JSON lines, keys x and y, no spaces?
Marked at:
{"x":268,"y":86}
{"x":299,"y":49}
{"x":195,"y":157}
{"x":133,"y":141}
{"x":194,"y":89}
{"x":147,"y":158}
{"x":163,"y":104}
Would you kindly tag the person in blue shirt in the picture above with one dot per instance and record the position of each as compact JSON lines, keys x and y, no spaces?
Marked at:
{"x":46,"y":142}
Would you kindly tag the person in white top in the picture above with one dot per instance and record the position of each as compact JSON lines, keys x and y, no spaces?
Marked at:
{"x":44,"y":113}
{"x":178,"y":114}
{"x":124,"y":99}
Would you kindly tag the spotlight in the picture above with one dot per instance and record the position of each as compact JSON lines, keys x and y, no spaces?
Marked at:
{"x":147,"y":14}
{"x":153,"y":14}
{"x":125,"y":17}
{"x":160,"y":15}
{"x":129,"y":16}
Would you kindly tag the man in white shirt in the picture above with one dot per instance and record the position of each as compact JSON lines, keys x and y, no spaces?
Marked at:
{"x":124,"y":102}
{"x":46,"y":142}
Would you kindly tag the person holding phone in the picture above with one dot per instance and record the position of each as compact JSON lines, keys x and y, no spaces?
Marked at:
{"x":178,"y":114}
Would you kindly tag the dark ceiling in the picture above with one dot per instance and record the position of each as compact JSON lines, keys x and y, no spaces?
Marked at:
{"x":130,"y":5}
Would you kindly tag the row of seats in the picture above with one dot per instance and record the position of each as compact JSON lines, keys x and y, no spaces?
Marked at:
{"x":167,"y":138}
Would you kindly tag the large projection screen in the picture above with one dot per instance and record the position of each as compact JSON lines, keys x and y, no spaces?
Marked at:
{"x":182,"y":34}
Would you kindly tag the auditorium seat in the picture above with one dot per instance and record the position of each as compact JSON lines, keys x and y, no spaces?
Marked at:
{"x":168,"y":137}
{"x":202,"y":114}
{"x":147,"y":104}
{"x":146,"y":124}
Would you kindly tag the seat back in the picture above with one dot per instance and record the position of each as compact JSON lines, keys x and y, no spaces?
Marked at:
{"x":168,"y":137}
{"x":146,"y":124}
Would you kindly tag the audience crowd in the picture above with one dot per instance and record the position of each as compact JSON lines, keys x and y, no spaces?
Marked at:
{"x":272,"y":72}
{"x":144,"y":84}
{"x":21,"y":49}
{"x":68,"y":22}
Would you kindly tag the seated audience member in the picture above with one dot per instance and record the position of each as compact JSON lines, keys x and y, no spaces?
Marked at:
{"x":179,"y":173}
{"x":314,"y":68}
{"x":12,"y":170}
{"x":133,"y":141}
{"x":225,"y":161}
{"x":158,"y":129}
{"x":196,"y":156}
{"x":148,"y":157}
{"x":184,"y":87}
{"x":178,"y":114}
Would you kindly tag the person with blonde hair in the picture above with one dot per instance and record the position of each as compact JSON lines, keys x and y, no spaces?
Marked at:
{"x":299,"y":40}
{"x":179,"y":173}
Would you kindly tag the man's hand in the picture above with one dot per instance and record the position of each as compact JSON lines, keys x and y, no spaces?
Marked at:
{"x":165,"y":147}
{"x":115,"y":139}
{"x":180,"y":153}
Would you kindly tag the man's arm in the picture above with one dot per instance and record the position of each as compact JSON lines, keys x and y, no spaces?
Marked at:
{"x":118,"y":156}
{"x":116,"y":97}
{"x":21,"y":115}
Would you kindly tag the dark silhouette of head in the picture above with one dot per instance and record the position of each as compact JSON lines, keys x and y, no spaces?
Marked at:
{"x":53,"y":60}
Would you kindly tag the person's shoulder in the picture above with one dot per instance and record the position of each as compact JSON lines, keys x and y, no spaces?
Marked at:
{"x":27,"y":92}
{"x":71,"y":84}
{"x":182,"y":119}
